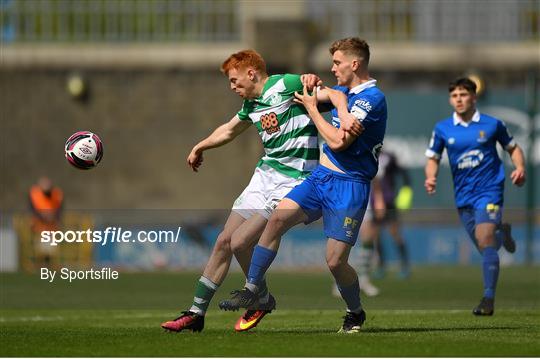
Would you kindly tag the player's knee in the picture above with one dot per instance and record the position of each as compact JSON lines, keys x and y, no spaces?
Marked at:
{"x":485,"y":241}
{"x":335,"y":263}
{"x":240,"y":242}
{"x":223,"y":242}
{"x":277,"y":222}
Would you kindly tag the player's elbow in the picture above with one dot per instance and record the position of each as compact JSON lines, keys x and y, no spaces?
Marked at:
{"x":334,"y":147}
{"x":227,"y":136}
{"x":337,"y":145}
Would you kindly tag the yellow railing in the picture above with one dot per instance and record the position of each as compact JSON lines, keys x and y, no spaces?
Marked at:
{"x":33,"y":254}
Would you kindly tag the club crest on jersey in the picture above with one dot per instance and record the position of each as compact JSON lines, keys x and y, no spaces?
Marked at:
{"x":269,"y":123}
{"x":481,"y":137}
{"x":470,"y":159}
{"x":274,"y":99}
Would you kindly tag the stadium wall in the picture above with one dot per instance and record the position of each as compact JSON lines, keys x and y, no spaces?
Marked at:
{"x":150,"y":118}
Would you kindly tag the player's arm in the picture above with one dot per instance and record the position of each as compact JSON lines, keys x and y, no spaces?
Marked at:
{"x":518,"y":159}
{"x":336,"y":139}
{"x":221,"y":136}
{"x":327,"y":97}
{"x":516,"y":154}
{"x":431,"y":171}
{"x":433,"y":153}
{"x":348,"y":122}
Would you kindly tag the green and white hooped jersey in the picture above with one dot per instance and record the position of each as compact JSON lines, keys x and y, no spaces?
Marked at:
{"x":290,"y":139}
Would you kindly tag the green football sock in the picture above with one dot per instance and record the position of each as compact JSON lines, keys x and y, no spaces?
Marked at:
{"x":204,"y":291}
{"x":366,"y":255}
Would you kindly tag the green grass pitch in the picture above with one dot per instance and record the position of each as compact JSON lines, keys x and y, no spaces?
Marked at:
{"x":427,"y":315}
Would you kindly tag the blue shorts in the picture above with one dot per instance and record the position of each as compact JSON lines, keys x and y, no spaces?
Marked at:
{"x":339,"y":198}
{"x":486,"y":209}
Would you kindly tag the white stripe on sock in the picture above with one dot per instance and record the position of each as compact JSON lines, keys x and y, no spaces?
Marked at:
{"x":199,"y":300}
{"x":196,"y":310}
{"x":207,"y":282}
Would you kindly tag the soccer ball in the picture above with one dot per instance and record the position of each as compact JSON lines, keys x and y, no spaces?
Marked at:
{"x":84,"y":150}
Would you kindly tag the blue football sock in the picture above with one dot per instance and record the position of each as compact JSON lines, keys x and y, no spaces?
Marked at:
{"x":490,"y":267}
{"x":260,"y":262}
{"x":351,"y":296}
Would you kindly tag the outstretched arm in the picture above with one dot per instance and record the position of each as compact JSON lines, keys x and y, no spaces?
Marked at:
{"x":518,"y":159}
{"x":221,"y":136}
{"x":431,"y":170}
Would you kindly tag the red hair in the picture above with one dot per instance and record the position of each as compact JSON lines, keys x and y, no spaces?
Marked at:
{"x":243,"y":59}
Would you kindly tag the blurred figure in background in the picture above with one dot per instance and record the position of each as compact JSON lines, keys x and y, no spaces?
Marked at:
{"x":470,"y":139}
{"x":387,"y":201}
{"x":46,"y":204}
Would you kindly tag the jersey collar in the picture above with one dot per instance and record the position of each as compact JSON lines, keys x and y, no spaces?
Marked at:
{"x":357,"y":89}
{"x":459,"y":121}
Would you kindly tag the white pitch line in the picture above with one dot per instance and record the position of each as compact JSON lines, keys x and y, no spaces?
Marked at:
{"x":41,"y":318}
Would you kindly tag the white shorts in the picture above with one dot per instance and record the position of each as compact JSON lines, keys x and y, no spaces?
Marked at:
{"x":264,"y":192}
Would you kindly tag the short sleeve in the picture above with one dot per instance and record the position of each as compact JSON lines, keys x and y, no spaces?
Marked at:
{"x":293,"y":83}
{"x":504,"y":137}
{"x":436,"y":145}
{"x":244,"y":112}
{"x":361,"y":107}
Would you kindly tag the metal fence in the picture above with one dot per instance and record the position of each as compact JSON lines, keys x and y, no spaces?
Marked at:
{"x":450,"y":21}
{"x":454,"y":21}
{"x":119,"y":20}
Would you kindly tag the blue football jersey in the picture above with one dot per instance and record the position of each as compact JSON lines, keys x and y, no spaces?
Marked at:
{"x":368,"y":104}
{"x":472,"y":153}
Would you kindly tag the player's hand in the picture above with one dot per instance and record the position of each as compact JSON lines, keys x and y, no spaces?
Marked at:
{"x":309,"y":101}
{"x":349,"y":123}
{"x":430,"y":184}
{"x":195,"y":159}
{"x":518,"y":177}
{"x":310,"y":81}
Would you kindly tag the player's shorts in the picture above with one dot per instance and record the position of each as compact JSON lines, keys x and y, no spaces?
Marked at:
{"x":339,"y":198}
{"x":264,"y":192}
{"x":486,"y":209}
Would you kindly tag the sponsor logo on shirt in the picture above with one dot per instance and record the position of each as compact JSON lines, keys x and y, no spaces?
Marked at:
{"x":269,"y":123}
{"x":358,"y":112}
{"x":470,"y":159}
{"x":363,"y":104}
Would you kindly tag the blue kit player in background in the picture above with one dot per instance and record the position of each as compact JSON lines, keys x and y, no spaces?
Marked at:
{"x":338,"y":189}
{"x":470,"y":139}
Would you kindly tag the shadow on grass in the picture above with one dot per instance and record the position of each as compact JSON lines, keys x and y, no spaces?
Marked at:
{"x":370,"y":330}
{"x":427,"y":329}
